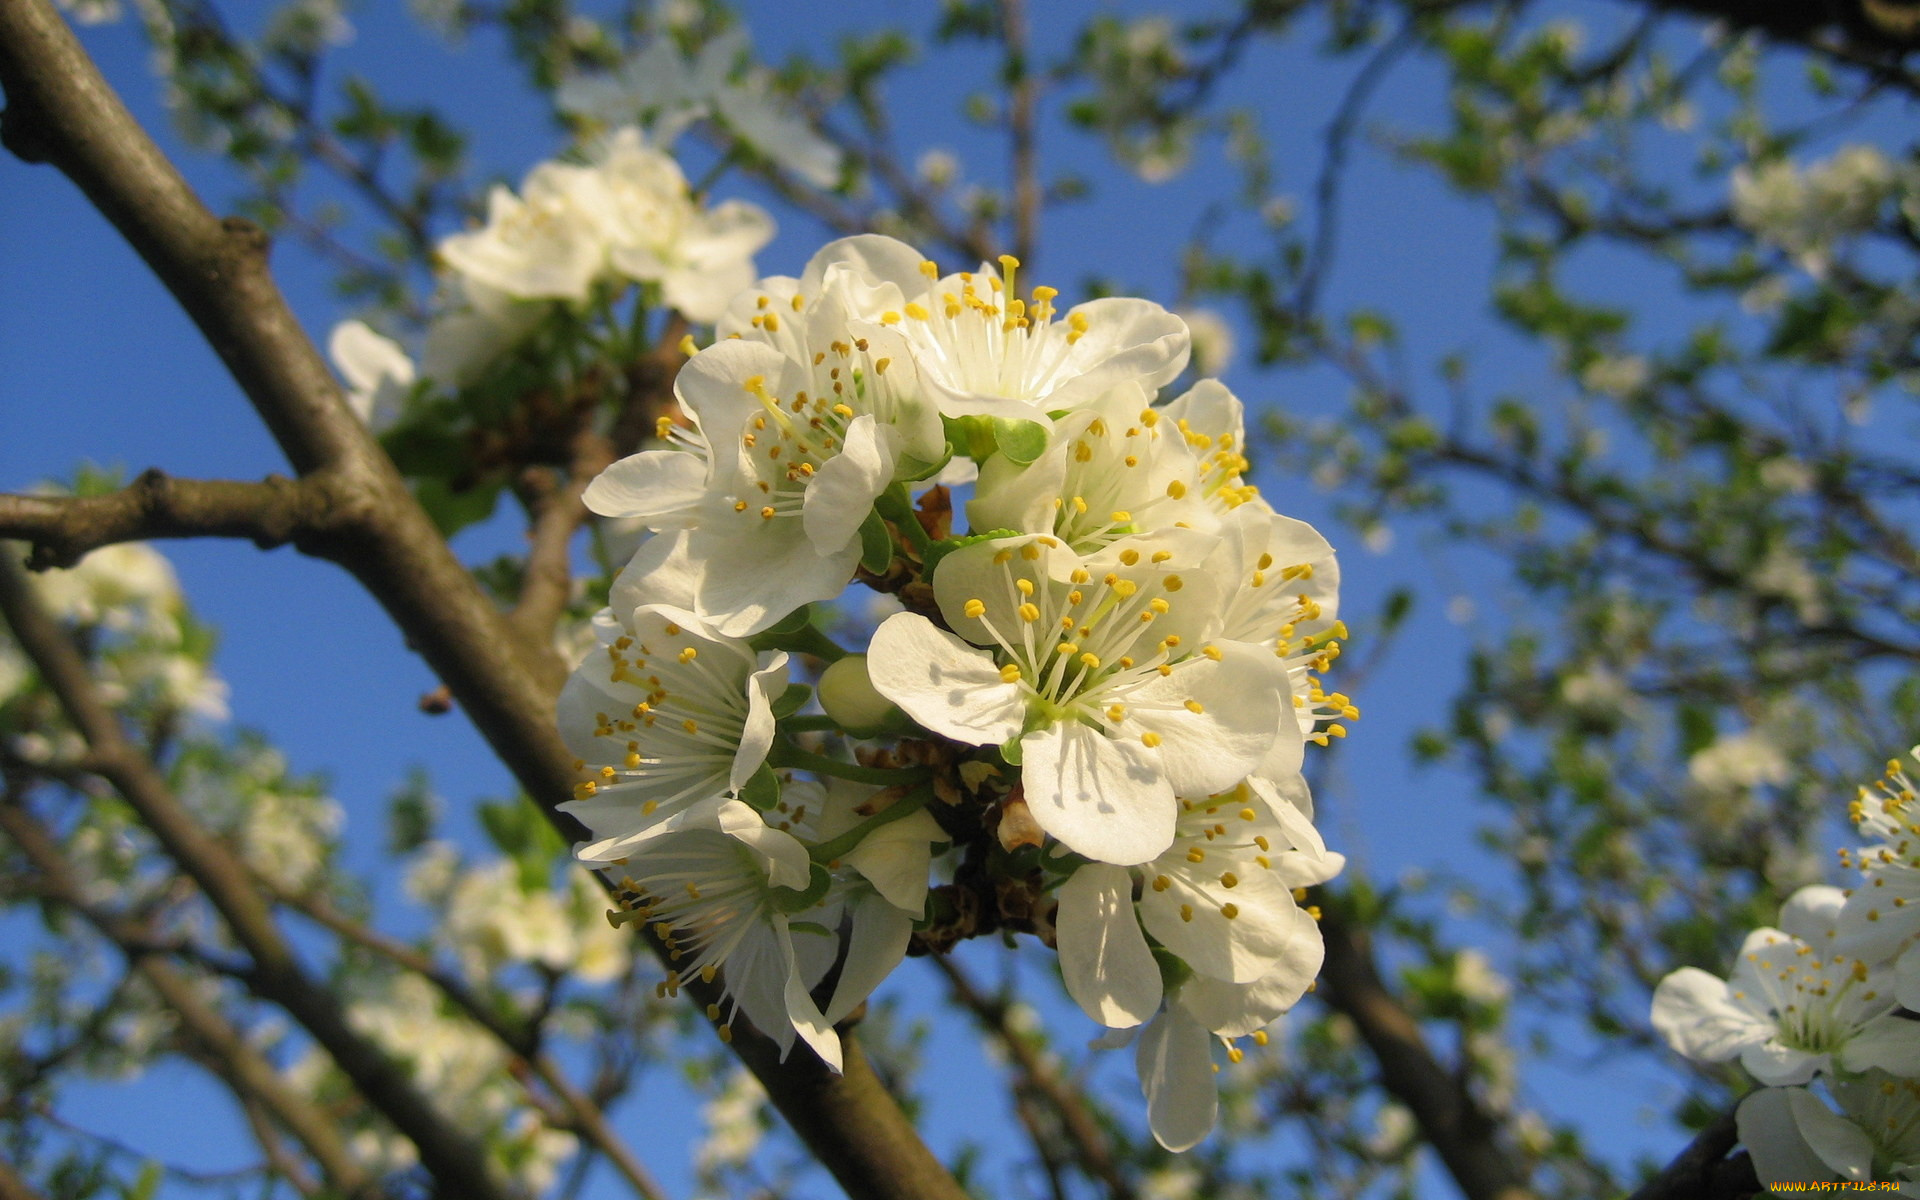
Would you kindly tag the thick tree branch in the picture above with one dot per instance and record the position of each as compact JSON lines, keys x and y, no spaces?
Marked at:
{"x":1703,"y":1171}
{"x":60,"y":110}
{"x":223,"y":1048}
{"x":1451,"y":1118}
{"x":63,"y":529}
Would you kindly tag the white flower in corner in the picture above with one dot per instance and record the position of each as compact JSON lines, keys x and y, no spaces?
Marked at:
{"x":1796,"y":1003}
{"x":1795,"y":1138}
{"x":378,"y":372}
{"x":1882,"y":913}
{"x":668,"y":719}
{"x":1099,"y":674}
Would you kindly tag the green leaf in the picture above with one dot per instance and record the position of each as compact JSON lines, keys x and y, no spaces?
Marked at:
{"x":452,"y":510}
{"x":787,"y":900}
{"x":876,"y":544}
{"x":790,"y":701}
{"x":1021,"y":441}
{"x":763,"y":790}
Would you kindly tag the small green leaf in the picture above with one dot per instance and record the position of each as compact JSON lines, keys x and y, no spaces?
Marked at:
{"x":876,"y":544}
{"x":763,"y":790}
{"x":790,"y":701}
{"x":787,"y":900}
{"x":1021,"y":441}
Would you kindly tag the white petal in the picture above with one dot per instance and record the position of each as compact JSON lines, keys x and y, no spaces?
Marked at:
{"x":662,"y":488}
{"x":1812,"y":914}
{"x":895,"y":859}
{"x":1102,"y":797}
{"x":1175,"y":1061}
{"x":1841,"y":1146}
{"x":942,"y":682}
{"x":1778,"y":1065}
{"x":879,"y":942}
{"x":1693,"y":1011}
{"x":1772,"y":1136}
{"x":1237,"y":1009}
{"x":1906,"y":978}
{"x":1266,"y":927}
{"x":1208,"y":752}
{"x":875,"y":256}
{"x":1888,"y":1042}
{"x":785,"y":857}
{"x":843,"y":490}
{"x":1109,"y":970}
{"x":764,"y":686}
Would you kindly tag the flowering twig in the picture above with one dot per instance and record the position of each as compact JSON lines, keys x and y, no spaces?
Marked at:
{"x":578,"y":1113}
{"x":224,"y":1049}
{"x":61,"y":110}
{"x":276,"y":974}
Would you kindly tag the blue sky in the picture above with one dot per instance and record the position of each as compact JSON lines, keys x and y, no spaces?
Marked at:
{"x":101,"y":367}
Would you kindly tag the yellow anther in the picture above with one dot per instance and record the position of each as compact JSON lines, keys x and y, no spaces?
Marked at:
{"x":975,"y":608}
{"x":1150,"y":739}
{"x":690,"y":725}
{"x":1010,"y":673}
{"x":1176,"y":489}
{"x":1229,"y":911}
{"x":1186,"y":912}
{"x":1029,"y":611}
{"x":1161,"y":883}
{"x":1025,"y":586}
{"x":889,"y":318}
{"x":1129,"y":557}
{"x":1090,"y":661}
{"x":689,"y":653}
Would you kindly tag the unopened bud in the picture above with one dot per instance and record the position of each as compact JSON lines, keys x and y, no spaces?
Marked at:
{"x":849,"y":697}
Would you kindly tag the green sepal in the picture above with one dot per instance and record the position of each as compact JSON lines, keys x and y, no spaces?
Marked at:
{"x":762,"y":792}
{"x":912,"y":470}
{"x":973,"y":436}
{"x":1021,"y":441}
{"x":876,"y":544}
{"x":790,"y":701}
{"x":946,"y":546}
{"x":1010,"y":752}
{"x":788,"y":900}
{"x":1173,"y":971}
{"x":793,"y":622}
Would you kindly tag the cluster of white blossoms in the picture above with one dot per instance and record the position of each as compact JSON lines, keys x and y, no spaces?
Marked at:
{"x":1826,"y":1004}
{"x":1097,"y":697}
{"x":576,"y":234}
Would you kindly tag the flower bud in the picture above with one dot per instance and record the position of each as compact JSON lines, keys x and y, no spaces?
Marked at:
{"x":850,"y":698}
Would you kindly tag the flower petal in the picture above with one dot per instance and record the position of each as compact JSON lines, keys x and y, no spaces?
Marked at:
{"x":942,"y":682}
{"x":1104,"y":958}
{"x":1694,"y":1012}
{"x":1102,"y":797}
{"x":1175,"y":1061}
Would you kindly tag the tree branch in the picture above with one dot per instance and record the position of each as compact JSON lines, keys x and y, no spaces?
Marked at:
{"x":1451,"y":1118}
{"x":1703,"y":1171}
{"x":63,"y":529}
{"x":1037,"y":1076}
{"x":60,"y":110}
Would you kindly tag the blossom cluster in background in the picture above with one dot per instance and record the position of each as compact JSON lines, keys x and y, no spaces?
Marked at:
{"x":1095,"y":696}
{"x":1820,"y":1009}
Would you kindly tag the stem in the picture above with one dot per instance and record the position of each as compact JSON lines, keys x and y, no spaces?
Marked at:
{"x":806,"y":760}
{"x":905,"y":806}
{"x":896,"y":505}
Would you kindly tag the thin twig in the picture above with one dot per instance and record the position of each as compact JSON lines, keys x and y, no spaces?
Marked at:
{"x":1037,"y":1076}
